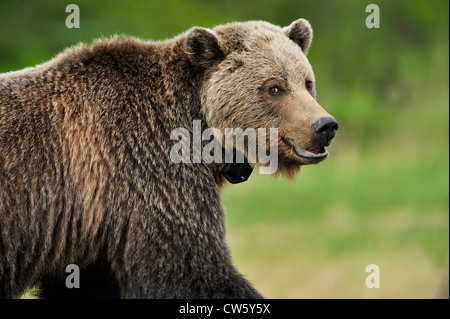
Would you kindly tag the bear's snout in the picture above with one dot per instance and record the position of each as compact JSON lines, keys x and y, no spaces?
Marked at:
{"x":325,"y":129}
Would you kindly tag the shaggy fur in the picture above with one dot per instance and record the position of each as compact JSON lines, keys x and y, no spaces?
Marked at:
{"x":85,"y":173}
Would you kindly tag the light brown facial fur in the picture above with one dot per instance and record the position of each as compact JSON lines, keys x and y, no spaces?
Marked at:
{"x":260,"y":57}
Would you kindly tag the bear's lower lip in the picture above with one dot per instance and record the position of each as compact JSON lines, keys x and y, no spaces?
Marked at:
{"x":305,"y":154}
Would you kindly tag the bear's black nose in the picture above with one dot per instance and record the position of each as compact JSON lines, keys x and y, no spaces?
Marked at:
{"x":325,"y":128}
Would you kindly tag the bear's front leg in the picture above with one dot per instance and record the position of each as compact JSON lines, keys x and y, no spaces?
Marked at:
{"x":171,"y":277}
{"x":158,"y":261}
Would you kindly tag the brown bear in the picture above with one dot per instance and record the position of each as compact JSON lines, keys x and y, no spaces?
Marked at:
{"x":85,"y":172}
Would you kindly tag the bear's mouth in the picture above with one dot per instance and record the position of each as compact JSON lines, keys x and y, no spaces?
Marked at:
{"x":312,"y":156}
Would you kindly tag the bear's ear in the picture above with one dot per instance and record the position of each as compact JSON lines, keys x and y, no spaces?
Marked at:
{"x":300,"y":32}
{"x":203,"y":47}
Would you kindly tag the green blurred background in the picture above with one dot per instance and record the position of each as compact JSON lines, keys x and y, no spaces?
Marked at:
{"x":382,"y":196}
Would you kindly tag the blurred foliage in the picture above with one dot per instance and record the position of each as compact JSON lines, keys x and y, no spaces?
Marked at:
{"x":383,"y":194}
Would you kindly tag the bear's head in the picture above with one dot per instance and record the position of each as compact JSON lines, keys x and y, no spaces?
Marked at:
{"x":256,"y":75}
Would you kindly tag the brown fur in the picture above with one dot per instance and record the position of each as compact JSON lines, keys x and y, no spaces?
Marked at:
{"x":85,"y":173}
{"x":259,"y":55}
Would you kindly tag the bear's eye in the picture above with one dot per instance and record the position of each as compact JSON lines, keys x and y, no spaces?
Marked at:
{"x":275,"y":90}
{"x":309,"y":85}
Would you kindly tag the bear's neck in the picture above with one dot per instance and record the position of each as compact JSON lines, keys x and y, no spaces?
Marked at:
{"x":169,"y":92}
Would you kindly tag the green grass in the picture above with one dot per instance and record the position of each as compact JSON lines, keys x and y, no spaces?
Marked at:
{"x":364,"y":183}
{"x":315,"y":238}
